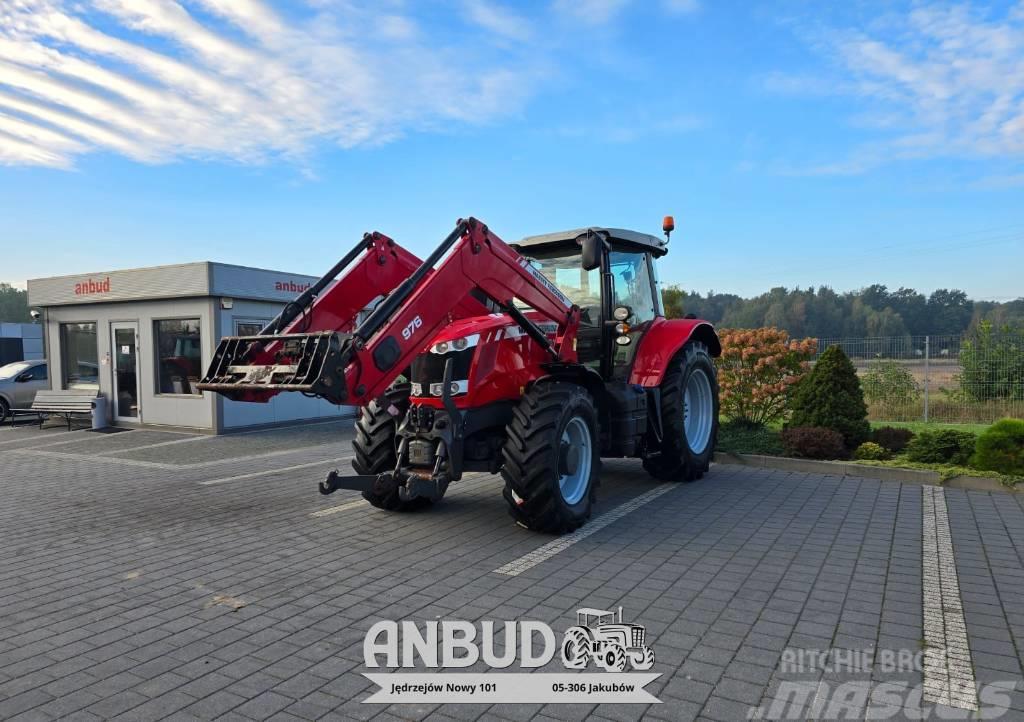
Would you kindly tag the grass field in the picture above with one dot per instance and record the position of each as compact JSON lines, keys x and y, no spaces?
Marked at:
{"x":919,"y":426}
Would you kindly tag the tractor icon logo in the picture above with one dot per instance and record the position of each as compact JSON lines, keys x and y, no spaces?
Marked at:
{"x":601,"y":636}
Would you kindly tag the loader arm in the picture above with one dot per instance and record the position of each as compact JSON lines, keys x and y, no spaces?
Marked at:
{"x":480,"y":265}
{"x":471,"y":268}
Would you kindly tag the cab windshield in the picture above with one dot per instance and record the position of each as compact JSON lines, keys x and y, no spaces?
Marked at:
{"x":562,"y":266}
{"x":631,"y":282}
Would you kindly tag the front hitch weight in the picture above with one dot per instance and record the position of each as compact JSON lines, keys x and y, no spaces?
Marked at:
{"x":330,"y":484}
{"x":385,"y":484}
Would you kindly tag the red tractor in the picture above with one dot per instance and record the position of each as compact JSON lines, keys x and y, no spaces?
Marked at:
{"x":533,"y":360}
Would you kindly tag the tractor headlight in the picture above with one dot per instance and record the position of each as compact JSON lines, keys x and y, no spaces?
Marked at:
{"x":458,"y":344}
{"x":621,"y":327}
{"x":623,"y":340}
{"x":621,"y":313}
{"x":457,"y":387}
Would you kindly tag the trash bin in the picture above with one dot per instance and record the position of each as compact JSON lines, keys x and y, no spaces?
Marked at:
{"x":99,"y":413}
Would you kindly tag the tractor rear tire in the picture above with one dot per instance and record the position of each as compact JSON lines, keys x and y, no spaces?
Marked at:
{"x":552,"y":458}
{"x":576,"y":647}
{"x":375,"y":448}
{"x":678,"y":460}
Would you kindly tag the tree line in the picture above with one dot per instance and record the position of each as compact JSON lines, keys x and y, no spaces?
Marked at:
{"x":13,"y":304}
{"x":818,"y":312}
{"x":872,"y":311}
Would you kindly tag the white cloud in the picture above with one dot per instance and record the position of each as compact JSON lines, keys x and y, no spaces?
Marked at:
{"x":681,"y":7}
{"x":591,"y":12}
{"x":498,"y":19}
{"x":935,"y":82}
{"x":159,"y":80}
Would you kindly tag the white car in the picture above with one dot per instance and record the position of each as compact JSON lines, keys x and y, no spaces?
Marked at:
{"x":19,"y":382}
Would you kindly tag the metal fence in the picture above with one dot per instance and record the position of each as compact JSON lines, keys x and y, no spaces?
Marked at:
{"x":950,"y":379}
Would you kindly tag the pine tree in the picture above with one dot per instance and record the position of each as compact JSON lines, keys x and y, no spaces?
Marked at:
{"x":831,"y":397}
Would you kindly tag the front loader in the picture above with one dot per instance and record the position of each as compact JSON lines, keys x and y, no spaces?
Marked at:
{"x":533,"y":360}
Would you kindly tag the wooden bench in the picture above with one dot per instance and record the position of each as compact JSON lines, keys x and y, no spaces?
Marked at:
{"x":69,"y":403}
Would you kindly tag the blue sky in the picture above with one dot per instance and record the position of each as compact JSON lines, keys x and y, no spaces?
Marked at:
{"x":796,"y":143}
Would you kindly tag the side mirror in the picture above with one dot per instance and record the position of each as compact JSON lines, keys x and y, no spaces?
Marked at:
{"x":27,"y":376}
{"x":592,"y":246}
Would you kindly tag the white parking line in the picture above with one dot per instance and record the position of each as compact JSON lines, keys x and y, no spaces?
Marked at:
{"x":948,"y":672}
{"x":265,"y":472}
{"x":542,"y":554}
{"x":343,"y":507}
{"x":63,"y":440}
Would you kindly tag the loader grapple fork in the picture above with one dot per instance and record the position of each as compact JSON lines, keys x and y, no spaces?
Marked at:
{"x":310,"y":343}
{"x":313,"y":363}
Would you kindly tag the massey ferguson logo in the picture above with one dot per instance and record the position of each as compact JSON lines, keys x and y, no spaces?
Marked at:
{"x":92,"y":286}
{"x":291,"y":286}
{"x":617,"y":652}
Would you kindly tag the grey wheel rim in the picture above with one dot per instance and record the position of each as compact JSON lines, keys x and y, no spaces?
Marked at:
{"x":574,"y":486}
{"x":698,"y":409}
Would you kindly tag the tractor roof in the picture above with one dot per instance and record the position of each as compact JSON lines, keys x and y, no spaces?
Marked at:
{"x":645,"y":240}
{"x":593,"y":612}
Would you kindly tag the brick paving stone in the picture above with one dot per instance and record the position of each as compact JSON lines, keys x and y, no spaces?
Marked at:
{"x":159,"y":598}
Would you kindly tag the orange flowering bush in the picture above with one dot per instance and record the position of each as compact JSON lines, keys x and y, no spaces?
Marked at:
{"x":758,"y":371}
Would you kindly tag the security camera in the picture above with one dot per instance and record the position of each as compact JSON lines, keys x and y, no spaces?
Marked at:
{"x":35,"y":314}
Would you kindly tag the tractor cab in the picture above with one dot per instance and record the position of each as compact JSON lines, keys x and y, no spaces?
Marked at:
{"x":610,"y":274}
{"x":592,"y":618}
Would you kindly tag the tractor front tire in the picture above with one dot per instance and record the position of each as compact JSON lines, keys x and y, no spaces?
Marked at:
{"x":612,"y":658}
{"x":643,"y":660}
{"x":689,"y":416}
{"x":375,"y":448}
{"x":552,"y":458}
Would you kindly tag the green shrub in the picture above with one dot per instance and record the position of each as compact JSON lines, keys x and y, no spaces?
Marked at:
{"x":1001,"y":448}
{"x":813,"y":442}
{"x":892,"y":438}
{"x":870,"y":451}
{"x":742,"y":437}
{"x":890,"y":382}
{"x":831,"y":397}
{"x":993,"y":364}
{"x":942,"y":446}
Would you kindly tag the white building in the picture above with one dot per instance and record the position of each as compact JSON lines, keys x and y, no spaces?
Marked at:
{"x":143,"y":338}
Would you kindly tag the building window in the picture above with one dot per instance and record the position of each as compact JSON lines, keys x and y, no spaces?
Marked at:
{"x":79,"y":353}
{"x":249,"y":326}
{"x":178,"y":355}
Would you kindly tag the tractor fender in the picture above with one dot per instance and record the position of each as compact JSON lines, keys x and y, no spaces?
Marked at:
{"x":663,"y":340}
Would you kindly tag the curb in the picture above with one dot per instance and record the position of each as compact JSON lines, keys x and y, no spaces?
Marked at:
{"x":864,"y":471}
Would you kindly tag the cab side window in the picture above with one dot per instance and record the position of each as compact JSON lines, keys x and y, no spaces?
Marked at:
{"x":632,"y":285}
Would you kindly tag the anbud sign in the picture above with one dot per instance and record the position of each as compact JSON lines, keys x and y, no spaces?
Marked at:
{"x":85,"y":288}
{"x":455,"y":643}
{"x":597,"y":637}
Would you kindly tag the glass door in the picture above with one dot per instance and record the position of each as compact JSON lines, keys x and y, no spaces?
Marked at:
{"x":126,"y":377}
